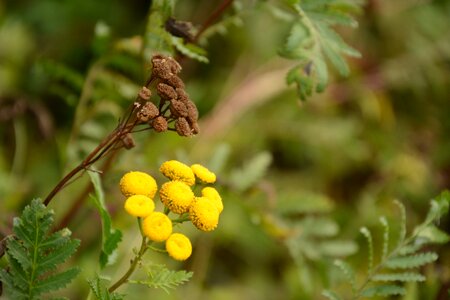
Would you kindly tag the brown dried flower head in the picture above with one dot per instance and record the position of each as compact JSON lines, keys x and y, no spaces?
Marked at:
{"x":159,"y":124}
{"x":147,"y":112}
{"x":128,"y":141}
{"x":182,"y":127}
{"x":182,"y":95}
{"x":175,"y":67}
{"x":174,"y":81}
{"x":178,"y":109}
{"x":195,"y":128}
{"x":166,"y":92}
{"x":145,"y":94}
{"x":192,"y":112}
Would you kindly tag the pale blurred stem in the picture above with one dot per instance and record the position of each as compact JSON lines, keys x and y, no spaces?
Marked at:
{"x":213,"y":17}
{"x":132,"y":267}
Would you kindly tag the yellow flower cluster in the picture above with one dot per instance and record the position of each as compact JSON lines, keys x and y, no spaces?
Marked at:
{"x":178,"y":197}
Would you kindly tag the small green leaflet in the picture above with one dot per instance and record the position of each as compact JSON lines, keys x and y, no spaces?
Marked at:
{"x":110,"y":237}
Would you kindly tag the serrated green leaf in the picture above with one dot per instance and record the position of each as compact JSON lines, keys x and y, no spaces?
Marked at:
{"x":368,"y":235}
{"x":110,"y":237}
{"x":385,"y":248}
{"x":161,"y":277}
{"x":100,"y":290}
{"x":404,"y":277}
{"x":30,"y":259}
{"x":432,"y":234}
{"x":190,"y":50}
{"x":383,"y":291}
{"x":411,"y":261}
{"x":347,"y":271}
{"x":56,"y":281}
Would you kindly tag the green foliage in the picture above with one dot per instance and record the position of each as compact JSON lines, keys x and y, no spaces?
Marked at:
{"x":100,"y":290}
{"x":34,"y":254}
{"x":251,"y":172}
{"x":405,"y":255}
{"x":311,"y":40}
{"x":110,"y":237}
{"x":162,"y":278}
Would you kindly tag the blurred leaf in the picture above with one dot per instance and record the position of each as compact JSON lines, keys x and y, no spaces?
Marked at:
{"x":303,"y":202}
{"x":434,"y":235}
{"x":190,"y":50}
{"x":100,"y":290}
{"x":383,"y":291}
{"x":252,"y":171}
{"x":408,"y":276}
{"x":110,"y":237}
{"x":411,"y":261}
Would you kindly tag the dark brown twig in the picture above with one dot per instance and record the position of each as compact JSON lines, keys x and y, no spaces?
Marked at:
{"x":213,"y":17}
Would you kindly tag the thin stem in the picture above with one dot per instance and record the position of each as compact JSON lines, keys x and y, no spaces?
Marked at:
{"x":213,"y":17}
{"x":132,"y":267}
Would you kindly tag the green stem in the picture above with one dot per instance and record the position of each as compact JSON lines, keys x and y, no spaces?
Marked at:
{"x":132,"y":267}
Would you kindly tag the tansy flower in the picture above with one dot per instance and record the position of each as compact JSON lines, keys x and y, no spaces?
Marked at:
{"x":177,"y":196}
{"x":175,"y":170}
{"x":157,"y":227}
{"x":203,"y":173}
{"x":212,"y":194}
{"x":204,"y":214}
{"x":138,"y":183}
{"x":139,"y":206}
{"x":179,"y":246}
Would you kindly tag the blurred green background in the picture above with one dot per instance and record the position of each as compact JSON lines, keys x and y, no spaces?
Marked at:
{"x":298,"y":179}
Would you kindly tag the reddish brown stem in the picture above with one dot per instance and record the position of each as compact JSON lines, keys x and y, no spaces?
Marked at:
{"x":213,"y":17}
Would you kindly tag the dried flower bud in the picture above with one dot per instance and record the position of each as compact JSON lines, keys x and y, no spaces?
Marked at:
{"x":178,"y":109}
{"x":145,"y":93}
{"x":195,"y":128}
{"x":128,"y":141}
{"x":174,"y":81}
{"x":182,"y":127}
{"x":147,"y":112}
{"x":175,"y":67}
{"x":192,"y":112}
{"x":162,"y":71}
{"x":182,"y":95}
{"x":159,"y":124}
{"x":166,"y":92}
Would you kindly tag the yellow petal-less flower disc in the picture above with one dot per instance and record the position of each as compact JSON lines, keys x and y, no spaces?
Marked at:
{"x":157,"y":227}
{"x":204,"y":214}
{"x":177,"y":196}
{"x":213,"y":195}
{"x":179,"y":246}
{"x":138,"y":183}
{"x":175,"y":170}
{"x":139,"y":206}
{"x":203,"y":173}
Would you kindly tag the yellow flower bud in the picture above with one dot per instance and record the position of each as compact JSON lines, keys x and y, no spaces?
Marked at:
{"x":175,"y":170}
{"x":179,"y":246}
{"x":212,"y":194}
{"x":177,"y":196}
{"x":157,"y":227}
{"x":139,"y":206}
{"x":203,"y":173}
{"x":204,"y":214}
{"x":138,"y":183}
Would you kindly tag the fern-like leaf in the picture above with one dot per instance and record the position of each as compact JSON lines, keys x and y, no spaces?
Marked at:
{"x":33,"y":254}
{"x":407,"y":276}
{"x":385,"y":225}
{"x":100,"y":290}
{"x":251,"y":172}
{"x":311,"y":41}
{"x":383,"y":291}
{"x":161,"y":277}
{"x":411,"y":261}
{"x":347,"y":271}
{"x":368,"y":236}
{"x":110,"y":237}
{"x":331,"y":295}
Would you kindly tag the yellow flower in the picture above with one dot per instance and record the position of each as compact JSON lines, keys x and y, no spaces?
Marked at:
{"x":177,"y":196}
{"x":139,"y":206}
{"x":138,"y":183}
{"x":212,"y":194}
{"x":157,"y":227}
{"x":179,"y":246}
{"x":175,"y":170}
{"x":204,"y":214}
{"x":203,"y":173}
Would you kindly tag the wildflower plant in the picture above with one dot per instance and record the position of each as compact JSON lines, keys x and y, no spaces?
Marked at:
{"x":180,"y":205}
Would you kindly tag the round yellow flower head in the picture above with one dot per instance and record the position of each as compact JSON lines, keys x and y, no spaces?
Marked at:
{"x":204,"y":214}
{"x":203,"y":173}
{"x":213,"y":195}
{"x":179,"y":246}
{"x":138,"y":183}
{"x":157,"y":227}
{"x":175,"y":170}
{"x":177,"y":196}
{"x":139,"y":206}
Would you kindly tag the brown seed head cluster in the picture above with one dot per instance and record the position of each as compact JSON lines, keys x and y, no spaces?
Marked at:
{"x":171,"y":90}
